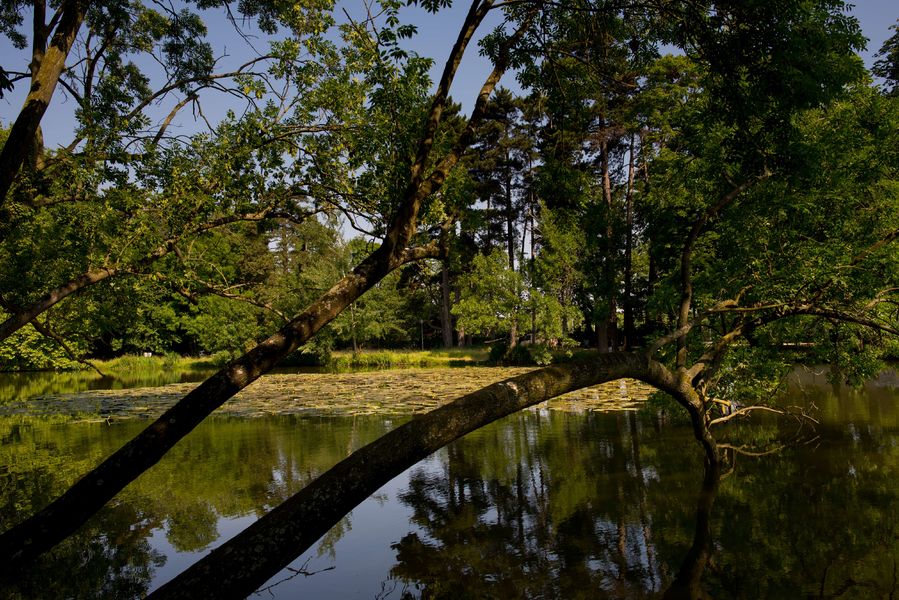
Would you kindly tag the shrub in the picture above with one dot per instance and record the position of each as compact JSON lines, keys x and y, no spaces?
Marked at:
{"x":498,"y":352}
{"x":519,"y":356}
{"x":541,"y":355}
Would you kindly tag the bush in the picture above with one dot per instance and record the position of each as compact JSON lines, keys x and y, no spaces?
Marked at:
{"x":498,"y":352}
{"x":541,"y":355}
{"x":519,"y":356}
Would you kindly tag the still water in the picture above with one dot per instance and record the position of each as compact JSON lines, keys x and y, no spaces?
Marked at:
{"x":544,"y":504}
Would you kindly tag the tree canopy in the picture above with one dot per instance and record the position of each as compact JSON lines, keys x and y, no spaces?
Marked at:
{"x":703,"y":219}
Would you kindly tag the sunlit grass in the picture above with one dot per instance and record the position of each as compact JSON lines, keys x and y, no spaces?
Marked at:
{"x":169,"y":362}
{"x":384,"y":359}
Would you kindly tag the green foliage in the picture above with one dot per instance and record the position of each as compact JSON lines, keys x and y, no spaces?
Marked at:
{"x":221,"y":325}
{"x":541,"y":354}
{"x":887,"y":63}
{"x":491,"y":298}
{"x":28,"y":350}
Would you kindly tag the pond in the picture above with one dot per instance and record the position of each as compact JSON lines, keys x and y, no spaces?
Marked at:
{"x":562,"y":501}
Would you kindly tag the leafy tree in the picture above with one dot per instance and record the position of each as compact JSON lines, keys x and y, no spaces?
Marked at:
{"x":492,"y":300}
{"x":425,"y":176}
{"x":887,"y":64}
{"x":768,"y":198}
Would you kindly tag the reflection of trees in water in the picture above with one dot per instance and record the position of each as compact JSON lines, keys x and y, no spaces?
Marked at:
{"x":568,"y":507}
{"x":545,"y":506}
{"x":109,"y":558}
{"x":228,"y":467}
{"x":819,"y":521}
{"x":539,"y":505}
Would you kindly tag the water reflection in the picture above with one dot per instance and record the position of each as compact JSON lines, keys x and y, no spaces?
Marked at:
{"x":22,"y":386}
{"x":543,"y":504}
{"x":552,"y":506}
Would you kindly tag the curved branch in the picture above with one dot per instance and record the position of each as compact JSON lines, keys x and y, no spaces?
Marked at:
{"x":239,"y":566}
{"x":744,"y":411}
{"x":23,"y":316}
{"x":49,"y":333}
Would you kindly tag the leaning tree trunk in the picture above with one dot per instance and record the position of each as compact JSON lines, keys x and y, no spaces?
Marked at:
{"x":67,"y":513}
{"x":47,"y":67}
{"x":248,"y":560}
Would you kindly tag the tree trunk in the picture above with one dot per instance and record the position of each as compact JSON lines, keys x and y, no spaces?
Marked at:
{"x":67,"y":513}
{"x":533,"y":258}
{"x":446,"y":317}
{"x":460,"y":331}
{"x":510,"y":218}
{"x":609,"y":275}
{"x":602,"y":334}
{"x":628,"y":251}
{"x":613,"y":325}
{"x":353,"y":328}
{"x":47,"y":66}
{"x":242,"y":564}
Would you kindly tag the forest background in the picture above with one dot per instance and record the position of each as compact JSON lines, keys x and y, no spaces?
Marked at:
{"x":706,"y":219}
{"x":556,"y":267}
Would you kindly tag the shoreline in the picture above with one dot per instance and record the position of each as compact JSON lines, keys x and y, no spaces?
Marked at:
{"x":387,"y":392}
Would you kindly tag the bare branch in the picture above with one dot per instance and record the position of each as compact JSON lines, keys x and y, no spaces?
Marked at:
{"x":745,"y":411}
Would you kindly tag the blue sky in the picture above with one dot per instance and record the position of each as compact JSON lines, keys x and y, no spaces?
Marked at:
{"x":435,"y":38}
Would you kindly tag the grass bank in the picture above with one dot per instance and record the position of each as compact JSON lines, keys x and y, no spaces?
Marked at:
{"x":168,"y":362}
{"x":386,"y":359}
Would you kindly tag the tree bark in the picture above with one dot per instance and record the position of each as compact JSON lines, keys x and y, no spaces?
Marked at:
{"x":628,"y":252}
{"x":67,"y":513}
{"x":609,"y":274}
{"x":602,"y":334}
{"x":446,"y":316}
{"x":47,"y":66}
{"x":510,"y":216}
{"x":241,"y":565}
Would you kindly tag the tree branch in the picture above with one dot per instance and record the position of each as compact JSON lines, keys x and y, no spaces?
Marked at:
{"x":683,"y":321}
{"x":248,"y":560}
{"x":64,"y":515}
{"x":47,"y":332}
{"x":43,"y":83}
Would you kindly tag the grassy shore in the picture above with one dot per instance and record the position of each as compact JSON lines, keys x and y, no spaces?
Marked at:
{"x":338,"y":360}
{"x":169,"y":362}
{"x":384,"y":359}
